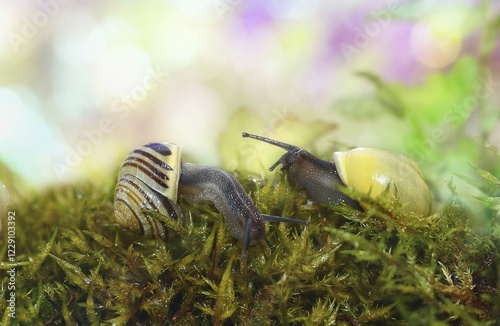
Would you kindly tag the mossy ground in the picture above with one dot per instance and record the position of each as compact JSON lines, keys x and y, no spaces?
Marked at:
{"x":75,"y":266}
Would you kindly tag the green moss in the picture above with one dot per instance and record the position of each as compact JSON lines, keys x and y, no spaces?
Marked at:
{"x":75,"y":266}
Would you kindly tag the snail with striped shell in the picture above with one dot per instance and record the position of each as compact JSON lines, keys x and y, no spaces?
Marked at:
{"x":366,"y":170}
{"x":153,"y":176}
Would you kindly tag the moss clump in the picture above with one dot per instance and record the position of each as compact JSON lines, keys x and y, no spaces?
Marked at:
{"x":75,"y":266}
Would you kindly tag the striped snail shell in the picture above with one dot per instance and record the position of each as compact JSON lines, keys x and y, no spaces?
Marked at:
{"x":148,"y":179}
{"x":153,"y":176}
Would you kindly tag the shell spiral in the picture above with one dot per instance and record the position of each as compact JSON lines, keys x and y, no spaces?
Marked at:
{"x":148,"y":180}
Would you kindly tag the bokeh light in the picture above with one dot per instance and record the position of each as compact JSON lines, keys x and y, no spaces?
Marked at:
{"x":436,"y":40}
{"x":84,"y":82}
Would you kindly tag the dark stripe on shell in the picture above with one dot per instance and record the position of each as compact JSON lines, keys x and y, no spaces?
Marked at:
{"x":153,"y":225}
{"x":167,"y":204}
{"x":159,"y":148}
{"x":152,"y":158}
{"x":150,"y":170}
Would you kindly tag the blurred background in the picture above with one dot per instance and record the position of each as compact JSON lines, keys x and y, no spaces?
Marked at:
{"x":84,"y":82}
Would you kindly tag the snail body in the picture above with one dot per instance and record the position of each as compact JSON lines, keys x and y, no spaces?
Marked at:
{"x":153,"y":176}
{"x":366,"y":170}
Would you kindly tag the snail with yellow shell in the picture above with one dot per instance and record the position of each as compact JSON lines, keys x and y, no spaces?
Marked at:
{"x":366,"y":170}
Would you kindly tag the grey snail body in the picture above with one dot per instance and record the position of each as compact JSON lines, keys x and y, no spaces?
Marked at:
{"x":153,"y":176}
{"x":366,"y":170}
